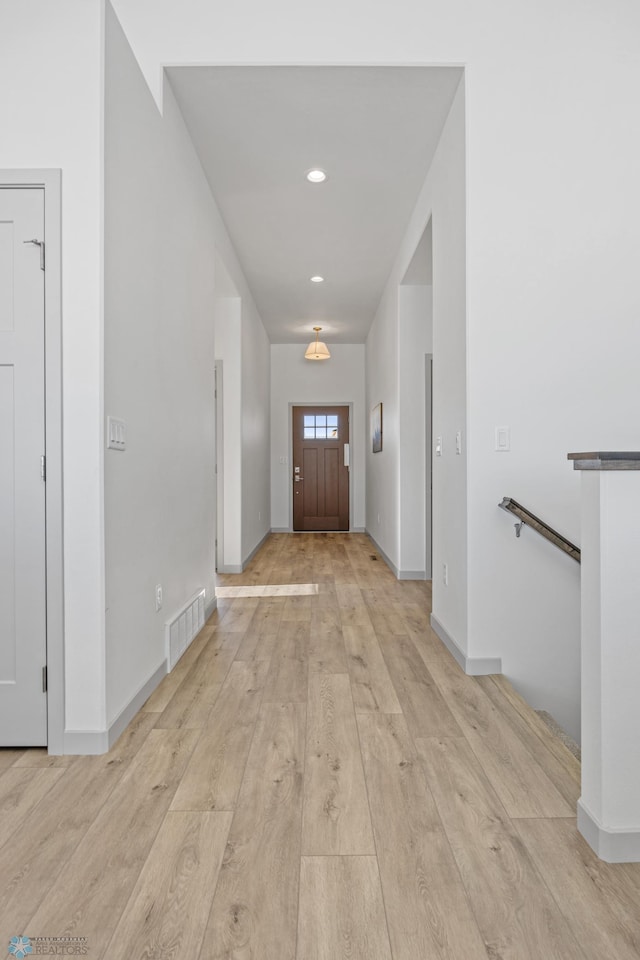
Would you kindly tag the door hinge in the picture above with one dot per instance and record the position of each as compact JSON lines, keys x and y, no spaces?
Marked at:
{"x":45,"y":680}
{"x":43,"y":468}
{"x":38,"y":243}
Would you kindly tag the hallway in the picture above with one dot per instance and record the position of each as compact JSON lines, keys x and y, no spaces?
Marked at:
{"x":316,"y":779}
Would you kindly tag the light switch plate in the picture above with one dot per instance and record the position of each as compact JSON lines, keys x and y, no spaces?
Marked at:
{"x":438,"y":446}
{"x":503,"y":439}
{"x":116,"y":434}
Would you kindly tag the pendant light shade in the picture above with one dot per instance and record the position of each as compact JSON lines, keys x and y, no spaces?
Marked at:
{"x":317,"y":350}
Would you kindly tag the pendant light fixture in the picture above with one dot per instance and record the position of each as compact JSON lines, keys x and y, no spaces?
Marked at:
{"x":317,"y":350}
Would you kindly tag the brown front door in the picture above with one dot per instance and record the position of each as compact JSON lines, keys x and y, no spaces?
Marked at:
{"x":320,"y":477}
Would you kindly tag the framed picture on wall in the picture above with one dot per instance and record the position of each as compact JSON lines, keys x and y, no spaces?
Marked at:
{"x":376,"y":428}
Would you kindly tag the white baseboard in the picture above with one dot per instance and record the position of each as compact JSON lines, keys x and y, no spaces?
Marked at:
{"x":398,"y":573}
{"x":127,"y":714}
{"x":85,"y":743}
{"x":386,"y":559}
{"x":281,"y":530}
{"x":240,"y":567}
{"x":472,"y":666}
{"x":210,"y":607}
{"x":247,"y":560}
{"x":611,"y":845}
{"x":94,"y":742}
{"x":357,"y":530}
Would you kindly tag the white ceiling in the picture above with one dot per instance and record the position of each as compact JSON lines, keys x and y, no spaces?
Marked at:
{"x":259,"y":129}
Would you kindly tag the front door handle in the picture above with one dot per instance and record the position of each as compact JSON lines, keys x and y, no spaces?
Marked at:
{"x":297,"y":478}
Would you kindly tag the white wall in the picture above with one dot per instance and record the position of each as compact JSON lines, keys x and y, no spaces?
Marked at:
{"x":50,"y":116}
{"x":553,"y":322}
{"x":383,"y":467}
{"x":553,"y":229}
{"x":159,"y":371}
{"x":445,"y":188}
{"x":228,"y":334}
{"x":395,"y":376}
{"x":166,"y":294}
{"x":400,"y":338}
{"x":256,"y":450}
{"x":415,"y":341}
{"x":339,"y":380}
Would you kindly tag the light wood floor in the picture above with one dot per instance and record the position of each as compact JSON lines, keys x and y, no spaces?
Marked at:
{"x":315,"y":780}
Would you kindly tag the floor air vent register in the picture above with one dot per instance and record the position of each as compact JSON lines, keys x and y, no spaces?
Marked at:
{"x":180,"y":631}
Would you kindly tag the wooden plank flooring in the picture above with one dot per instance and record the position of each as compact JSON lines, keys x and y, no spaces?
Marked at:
{"x":176,"y":882}
{"x":255,"y":906}
{"x":341,"y":910}
{"x":427,"y":908}
{"x":336,"y":809}
{"x":520,"y":918}
{"x":315,"y":780}
{"x":92,"y":891}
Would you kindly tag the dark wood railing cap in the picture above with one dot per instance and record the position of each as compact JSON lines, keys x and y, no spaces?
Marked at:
{"x":606,"y":460}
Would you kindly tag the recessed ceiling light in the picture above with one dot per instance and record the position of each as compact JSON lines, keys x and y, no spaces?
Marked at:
{"x":316,"y":176}
{"x":317,"y":279}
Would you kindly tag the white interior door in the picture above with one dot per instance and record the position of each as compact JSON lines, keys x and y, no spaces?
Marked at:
{"x":23,"y":701}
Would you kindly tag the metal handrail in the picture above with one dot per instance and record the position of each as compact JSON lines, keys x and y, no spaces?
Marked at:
{"x":530,"y":520}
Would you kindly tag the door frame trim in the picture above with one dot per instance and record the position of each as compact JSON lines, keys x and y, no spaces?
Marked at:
{"x":50,"y":180}
{"x":320,"y":403}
